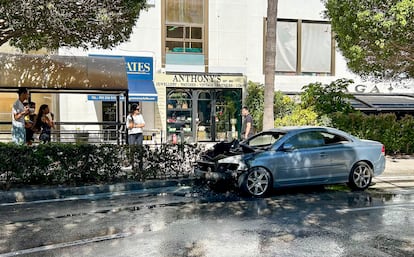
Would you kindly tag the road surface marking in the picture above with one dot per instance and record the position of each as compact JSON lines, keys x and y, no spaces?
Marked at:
{"x":347,"y":210}
{"x":66,"y":244}
{"x":151,"y":191}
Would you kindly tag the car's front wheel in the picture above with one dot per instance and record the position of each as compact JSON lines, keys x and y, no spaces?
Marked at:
{"x":256,"y":182}
{"x":361,"y":176}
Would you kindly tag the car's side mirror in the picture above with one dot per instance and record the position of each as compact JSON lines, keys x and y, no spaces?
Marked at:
{"x":288,"y":147}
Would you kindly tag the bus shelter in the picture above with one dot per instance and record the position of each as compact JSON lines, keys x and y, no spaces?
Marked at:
{"x":69,"y":75}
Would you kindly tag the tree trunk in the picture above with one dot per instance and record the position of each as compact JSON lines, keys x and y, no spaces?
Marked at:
{"x":270,"y":63}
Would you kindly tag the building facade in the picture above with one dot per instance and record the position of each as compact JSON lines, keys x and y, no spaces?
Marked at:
{"x":202,"y":53}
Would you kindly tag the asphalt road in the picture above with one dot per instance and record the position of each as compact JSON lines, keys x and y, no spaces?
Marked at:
{"x":195,"y":221}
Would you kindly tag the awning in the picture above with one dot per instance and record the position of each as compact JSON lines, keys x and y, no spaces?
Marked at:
{"x":384,"y":102}
{"x":400,"y":103}
{"x":62,"y":73}
{"x":142,"y":90}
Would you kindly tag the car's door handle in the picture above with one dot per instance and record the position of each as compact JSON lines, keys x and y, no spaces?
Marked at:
{"x":323,"y":155}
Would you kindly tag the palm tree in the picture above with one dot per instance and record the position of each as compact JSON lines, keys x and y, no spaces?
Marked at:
{"x":270,"y":57}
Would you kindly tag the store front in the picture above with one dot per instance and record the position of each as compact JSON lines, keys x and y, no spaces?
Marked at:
{"x":200,"y":107}
{"x":139,"y":71}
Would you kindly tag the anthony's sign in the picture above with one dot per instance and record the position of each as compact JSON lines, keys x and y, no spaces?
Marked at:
{"x":200,"y":81}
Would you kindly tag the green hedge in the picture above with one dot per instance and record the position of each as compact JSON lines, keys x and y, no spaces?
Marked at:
{"x":79,"y":164}
{"x":396,"y":134}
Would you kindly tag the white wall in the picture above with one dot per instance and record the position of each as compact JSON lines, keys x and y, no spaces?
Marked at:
{"x":301,"y":9}
{"x":236,"y":39}
{"x":235,"y":45}
{"x":145,"y":39}
{"x":227,"y":37}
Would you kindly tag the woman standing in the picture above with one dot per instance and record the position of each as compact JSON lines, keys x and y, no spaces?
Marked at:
{"x":44,"y":124}
{"x":136,"y":123}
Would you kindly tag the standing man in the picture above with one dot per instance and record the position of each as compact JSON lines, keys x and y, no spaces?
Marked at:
{"x":247,"y":124}
{"x":19,"y":111}
{"x":136,"y":123}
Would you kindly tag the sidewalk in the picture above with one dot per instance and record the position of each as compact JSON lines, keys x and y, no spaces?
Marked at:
{"x":401,"y":166}
{"x":399,"y":170}
{"x":398,"y":175}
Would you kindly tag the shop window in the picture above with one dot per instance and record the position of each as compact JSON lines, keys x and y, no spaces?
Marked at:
{"x":304,"y":48}
{"x":188,"y":11}
{"x":179,"y":116}
{"x":316,"y":48}
{"x":286,"y":49}
{"x":183,"y":39}
{"x":184,"y":32}
{"x":227,"y":114}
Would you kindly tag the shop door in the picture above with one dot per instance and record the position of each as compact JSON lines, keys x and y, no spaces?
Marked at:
{"x":204,"y":116}
{"x":227,"y":114}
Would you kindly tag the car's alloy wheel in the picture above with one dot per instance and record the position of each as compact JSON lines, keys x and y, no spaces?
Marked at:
{"x":361,"y":176}
{"x":256,"y":182}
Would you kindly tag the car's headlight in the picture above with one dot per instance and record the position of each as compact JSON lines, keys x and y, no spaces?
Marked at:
{"x":231,"y":159}
{"x":233,"y":163}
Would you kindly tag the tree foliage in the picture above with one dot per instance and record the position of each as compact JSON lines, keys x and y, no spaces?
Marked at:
{"x":375,"y":36}
{"x":299,"y":117}
{"x":282,"y":104}
{"x":254,"y":101}
{"x":328,"y":99}
{"x":35,"y":24}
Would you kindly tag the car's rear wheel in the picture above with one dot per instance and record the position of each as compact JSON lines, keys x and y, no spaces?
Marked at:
{"x":361,"y":176}
{"x":256,"y":182}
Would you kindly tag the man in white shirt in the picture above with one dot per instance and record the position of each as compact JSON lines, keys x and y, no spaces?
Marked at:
{"x":136,"y":123}
{"x":19,"y":111}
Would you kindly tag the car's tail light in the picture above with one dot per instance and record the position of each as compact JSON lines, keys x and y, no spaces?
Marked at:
{"x":383,"y":150}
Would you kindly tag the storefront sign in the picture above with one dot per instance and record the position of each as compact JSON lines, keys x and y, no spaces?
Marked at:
{"x":382,"y":88}
{"x":139,"y":67}
{"x":200,"y":81}
{"x":140,"y":74}
{"x":112,"y":98}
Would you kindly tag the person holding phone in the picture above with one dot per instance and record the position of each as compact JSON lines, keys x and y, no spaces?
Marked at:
{"x":44,"y":124}
{"x":135,"y":123}
{"x":30,"y":120}
{"x":19,"y":111}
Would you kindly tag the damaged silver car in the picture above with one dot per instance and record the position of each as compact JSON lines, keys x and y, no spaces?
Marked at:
{"x":294,"y":156}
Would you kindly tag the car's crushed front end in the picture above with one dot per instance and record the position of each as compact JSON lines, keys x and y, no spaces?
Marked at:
{"x":224,"y":162}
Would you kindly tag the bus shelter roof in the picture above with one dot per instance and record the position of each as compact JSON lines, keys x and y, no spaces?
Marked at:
{"x":63,"y":74}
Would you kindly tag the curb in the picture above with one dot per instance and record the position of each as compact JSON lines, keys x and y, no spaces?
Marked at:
{"x":36,"y":194}
{"x":397,"y":170}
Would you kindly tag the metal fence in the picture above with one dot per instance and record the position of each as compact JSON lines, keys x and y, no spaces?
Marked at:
{"x":87,"y":132}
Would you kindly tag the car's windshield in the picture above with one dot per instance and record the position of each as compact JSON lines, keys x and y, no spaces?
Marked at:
{"x":265,"y":139}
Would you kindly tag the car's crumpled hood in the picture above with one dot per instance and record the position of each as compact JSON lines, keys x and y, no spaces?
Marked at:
{"x":237,"y":159}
